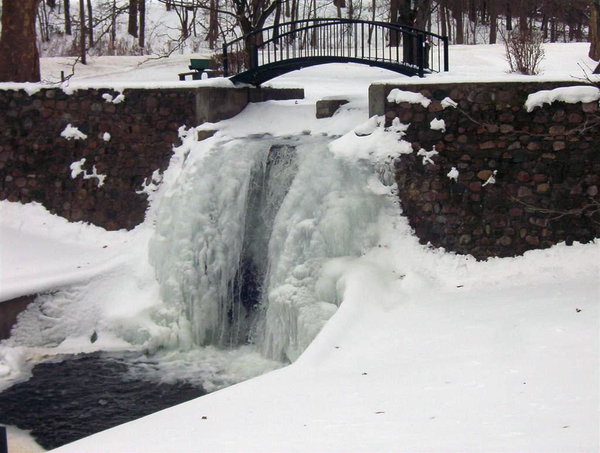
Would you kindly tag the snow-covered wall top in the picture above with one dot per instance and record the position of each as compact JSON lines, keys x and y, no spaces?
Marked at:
{"x":498,"y":168}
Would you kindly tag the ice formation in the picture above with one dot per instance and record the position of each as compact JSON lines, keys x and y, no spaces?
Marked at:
{"x":242,"y":236}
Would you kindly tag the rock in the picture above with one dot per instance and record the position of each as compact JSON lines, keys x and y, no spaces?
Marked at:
{"x":484,"y":175}
{"x":543,"y":188}
{"x":505,"y":241}
{"x":524,"y":192}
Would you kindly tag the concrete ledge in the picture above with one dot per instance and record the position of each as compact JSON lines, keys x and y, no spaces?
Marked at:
{"x":9,"y":310}
{"x":217,"y":103}
{"x":377,"y":99}
{"x":327,"y":107}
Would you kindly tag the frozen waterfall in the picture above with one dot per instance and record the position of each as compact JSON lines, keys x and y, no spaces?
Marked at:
{"x":242,"y":236}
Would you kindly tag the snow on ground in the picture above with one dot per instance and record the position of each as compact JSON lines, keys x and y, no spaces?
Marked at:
{"x":467,"y":64}
{"x":30,"y":241}
{"x":429,"y":352}
{"x":20,"y":441}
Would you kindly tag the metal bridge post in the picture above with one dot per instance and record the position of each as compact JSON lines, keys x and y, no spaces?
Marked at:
{"x":446,"y":59}
{"x":421,"y":54}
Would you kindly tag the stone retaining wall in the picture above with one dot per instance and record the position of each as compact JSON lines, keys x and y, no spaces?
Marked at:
{"x":546,"y":166}
{"x":35,"y":160}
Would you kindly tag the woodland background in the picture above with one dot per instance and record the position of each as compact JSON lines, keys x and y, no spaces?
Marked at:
{"x":32,"y":28}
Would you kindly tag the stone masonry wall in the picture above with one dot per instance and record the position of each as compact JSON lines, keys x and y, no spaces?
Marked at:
{"x":35,"y":159}
{"x":546,"y":164}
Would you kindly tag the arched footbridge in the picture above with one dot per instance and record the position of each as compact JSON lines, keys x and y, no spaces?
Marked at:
{"x":278,"y":49}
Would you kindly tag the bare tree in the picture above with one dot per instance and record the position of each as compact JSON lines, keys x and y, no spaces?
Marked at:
{"x":19,"y":57}
{"x":132,"y":28}
{"x":90,"y":27}
{"x":113,"y":25}
{"x":493,"y":16}
{"x":67,"y":8}
{"x":82,"y":48}
{"x":142,"y":29}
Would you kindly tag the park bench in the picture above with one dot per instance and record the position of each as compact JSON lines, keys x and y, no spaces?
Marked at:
{"x":198,"y":67}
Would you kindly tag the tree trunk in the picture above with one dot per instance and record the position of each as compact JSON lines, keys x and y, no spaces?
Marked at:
{"x":394,"y":11}
{"x":460,"y":27}
{"x":493,"y":22}
{"x":553,"y":31}
{"x":142,"y":30}
{"x":44,"y":27}
{"x":442,"y":17}
{"x":449,"y":27}
{"x":67,"y":5}
{"x":183,"y":22}
{"x":213,"y":24}
{"x":82,"y":32}
{"x":132,"y":28}
{"x":90,"y":26}
{"x":113,"y":26}
{"x":523,"y":20}
{"x":19,"y":58}
{"x":544,"y":26}
{"x":276,"y":22}
{"x":421,"y":14}
{"x":595,"y":30}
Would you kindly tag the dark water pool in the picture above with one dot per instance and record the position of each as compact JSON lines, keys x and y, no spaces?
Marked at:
{"x":82,"y":395}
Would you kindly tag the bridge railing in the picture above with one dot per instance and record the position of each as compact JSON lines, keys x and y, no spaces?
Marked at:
{"x":343,"y":38}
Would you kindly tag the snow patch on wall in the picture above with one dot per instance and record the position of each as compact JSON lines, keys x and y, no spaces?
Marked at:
{"x":453,"y":174}
{"x":427,"y":155}
{"x":448,"y":102}
{"x":570,"y":95}
{"x":438,"y":125}
{"x":398,"y":96}
{"x":71,"y":132}
{"x":77,"y":169}
{"x":114,"y":100}
{"x":151,"y":186}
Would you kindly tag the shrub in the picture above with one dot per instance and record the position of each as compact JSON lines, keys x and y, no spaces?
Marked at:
{"x":524,"y":51}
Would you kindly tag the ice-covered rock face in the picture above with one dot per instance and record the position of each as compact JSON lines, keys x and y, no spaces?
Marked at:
{"x":242,"y":237}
